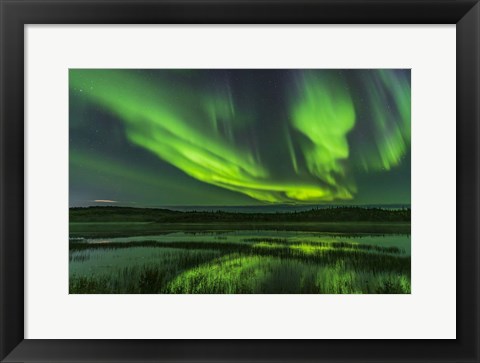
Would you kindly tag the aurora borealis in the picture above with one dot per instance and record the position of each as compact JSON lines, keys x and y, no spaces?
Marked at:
{"x":239,"y":137}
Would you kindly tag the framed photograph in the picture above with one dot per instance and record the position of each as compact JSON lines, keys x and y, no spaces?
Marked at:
{"x":240,"y":181}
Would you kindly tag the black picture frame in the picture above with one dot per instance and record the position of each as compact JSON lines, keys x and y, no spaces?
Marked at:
{"x":15,"y":14}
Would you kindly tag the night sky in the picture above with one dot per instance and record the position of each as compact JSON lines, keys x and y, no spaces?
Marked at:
{"x":153,"y":138}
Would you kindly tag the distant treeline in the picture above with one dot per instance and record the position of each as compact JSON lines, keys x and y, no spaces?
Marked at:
{"x":333,"y":214}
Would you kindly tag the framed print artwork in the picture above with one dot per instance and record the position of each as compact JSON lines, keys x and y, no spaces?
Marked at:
{"x":239,"y":181}
{"x":246,"y":175}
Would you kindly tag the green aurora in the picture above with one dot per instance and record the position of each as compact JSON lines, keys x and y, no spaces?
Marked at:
{"x":239,"y":137}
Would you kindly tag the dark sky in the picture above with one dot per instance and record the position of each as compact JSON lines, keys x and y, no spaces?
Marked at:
{"x":239,"y":137}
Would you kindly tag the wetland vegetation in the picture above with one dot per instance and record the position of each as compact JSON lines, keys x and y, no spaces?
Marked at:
{"x":117,"y":250}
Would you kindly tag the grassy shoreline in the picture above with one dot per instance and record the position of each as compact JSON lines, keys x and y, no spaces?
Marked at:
{"x":195,"y":262}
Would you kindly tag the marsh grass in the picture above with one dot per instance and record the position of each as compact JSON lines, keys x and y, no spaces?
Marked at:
{"x":135,"y":270}
{"x":264,"y":275}
{"x":253,"y":266}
